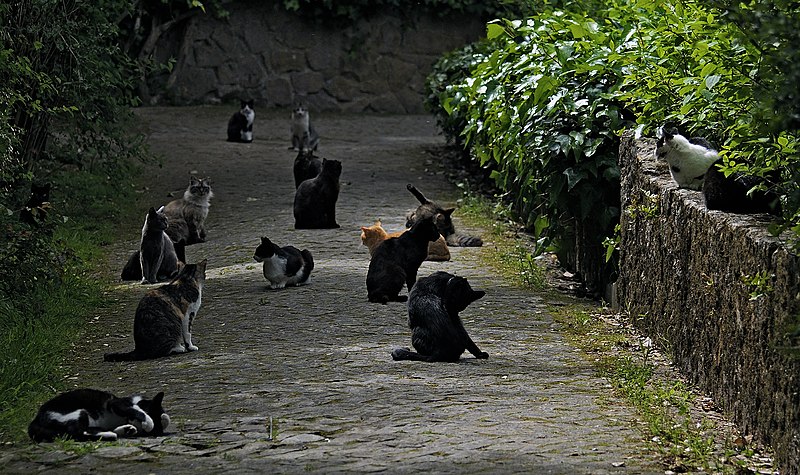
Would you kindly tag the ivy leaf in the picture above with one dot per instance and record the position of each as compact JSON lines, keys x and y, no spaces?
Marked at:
{"x":712,"y":81}
{"x":493,"y":30}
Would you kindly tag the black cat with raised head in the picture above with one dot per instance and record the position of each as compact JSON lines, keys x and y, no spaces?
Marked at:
{"x":306,"y":167}
{"x":315,"y":199}
{"x":396,"y":262}
{"x":437,"y":332}
{"x":443,"y":219}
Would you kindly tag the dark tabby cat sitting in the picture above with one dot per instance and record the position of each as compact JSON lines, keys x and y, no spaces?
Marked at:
{"x":731,"y":193}
{"x":315,"y":199}
{"x":397,"y":260}
{"x":442,"y":218}
{"x":157,"y":259}
{"x":240,"y":125}
{"x":91,"y":414}
{"x":163,"y":322}
{"x":35,"y":211}
{"x":187,"y":215}
{"x":285,"y":265}
{"x":437,"y":332}
{"x":306,"y":167}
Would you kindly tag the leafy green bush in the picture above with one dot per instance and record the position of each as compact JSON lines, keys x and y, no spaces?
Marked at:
{"x":543,"y":101}
{"x":541,"y":110}
{"x":64,"y":100}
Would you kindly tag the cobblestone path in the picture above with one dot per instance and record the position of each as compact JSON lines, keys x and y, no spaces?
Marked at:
{"x":315,"y":360}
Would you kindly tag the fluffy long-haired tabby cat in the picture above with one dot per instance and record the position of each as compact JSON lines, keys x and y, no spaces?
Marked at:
{"x":157,"y":259}
{"x":437,"y":332}
{"x":443,"y":219}
{"x":315,"y":199}
{"x":285,"y":265}
{"x":187,"y":215}
{"x":372,"y":236}
{"x":91,"y":414}
{"x":163,"y":322}
{"x":689,"y":158}
{"x":306,"y":167}
{"x":240,"y":125}
{"x":396,"y":262}
{"x":304,"y":137}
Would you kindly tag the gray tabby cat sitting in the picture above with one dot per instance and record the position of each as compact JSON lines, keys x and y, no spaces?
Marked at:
{"x":304,"y":137}
{"x":187,"y":215}
{"x":163,"y":322}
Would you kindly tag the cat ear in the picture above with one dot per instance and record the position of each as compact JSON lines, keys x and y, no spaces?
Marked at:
{"x":449,"y":211}
{"x":476,"y":294}
{"x":201,"y":266}
{"x":159,"y":397}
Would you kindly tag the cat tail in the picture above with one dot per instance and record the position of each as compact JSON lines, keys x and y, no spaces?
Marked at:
{"x":180,"y":250}
{"x":133,"y":268}
{"x":418,"y":194}
{"x":460,"y":240}
{"x":399,"y":354}
{"x":308,"y":259}
{"x":127,"y":356}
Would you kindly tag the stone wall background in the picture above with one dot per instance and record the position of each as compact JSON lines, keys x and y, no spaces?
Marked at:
{"x":264,"y":53}
{"x":681,"y":269}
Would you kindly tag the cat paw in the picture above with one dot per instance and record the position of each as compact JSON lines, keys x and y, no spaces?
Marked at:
{"x":165,"y":420}
{"x":194,"y":348}
{"x":482,"y":355}
{"x":127,"y":430}
{"x":106,"y":436}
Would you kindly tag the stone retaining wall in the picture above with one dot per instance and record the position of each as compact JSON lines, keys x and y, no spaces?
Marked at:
{"x":264,"y":53}
{"x":685,"y":278}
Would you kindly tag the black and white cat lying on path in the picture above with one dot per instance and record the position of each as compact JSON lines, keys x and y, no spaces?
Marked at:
{"x":285,"y":265}
{"x":91,"y":414}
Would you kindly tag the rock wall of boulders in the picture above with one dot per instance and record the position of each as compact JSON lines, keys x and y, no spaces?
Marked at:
{"x":720,"y":293}
{"x":264,"y":53}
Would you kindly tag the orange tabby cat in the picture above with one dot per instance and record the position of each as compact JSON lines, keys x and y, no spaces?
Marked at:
{"x":373,"y":235}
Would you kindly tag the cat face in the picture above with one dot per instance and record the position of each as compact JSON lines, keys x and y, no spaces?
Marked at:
{"x":265,"y":250}
{"x":664,"y":145}
{"x":299,"y":111}
{"x":156,"y":220}
{"x":373,"y":235}
{"x":154,"y":409}
{"x":247,"y":106}
{"x":459,"y":294}
{"x":199,"y":186}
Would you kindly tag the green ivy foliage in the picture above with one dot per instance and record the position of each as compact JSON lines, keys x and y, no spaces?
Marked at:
{"x":543,"y":101}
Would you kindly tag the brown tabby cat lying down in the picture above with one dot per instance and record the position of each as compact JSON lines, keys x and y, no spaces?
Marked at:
{"x":373,"y":235}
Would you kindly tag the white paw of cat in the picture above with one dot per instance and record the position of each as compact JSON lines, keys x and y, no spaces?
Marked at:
{"x":192,"y":348}
{"x":148,"y":424}
{"x":107,"y":436}
{"x":165,"y":421}
{"x":127,"y":430}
